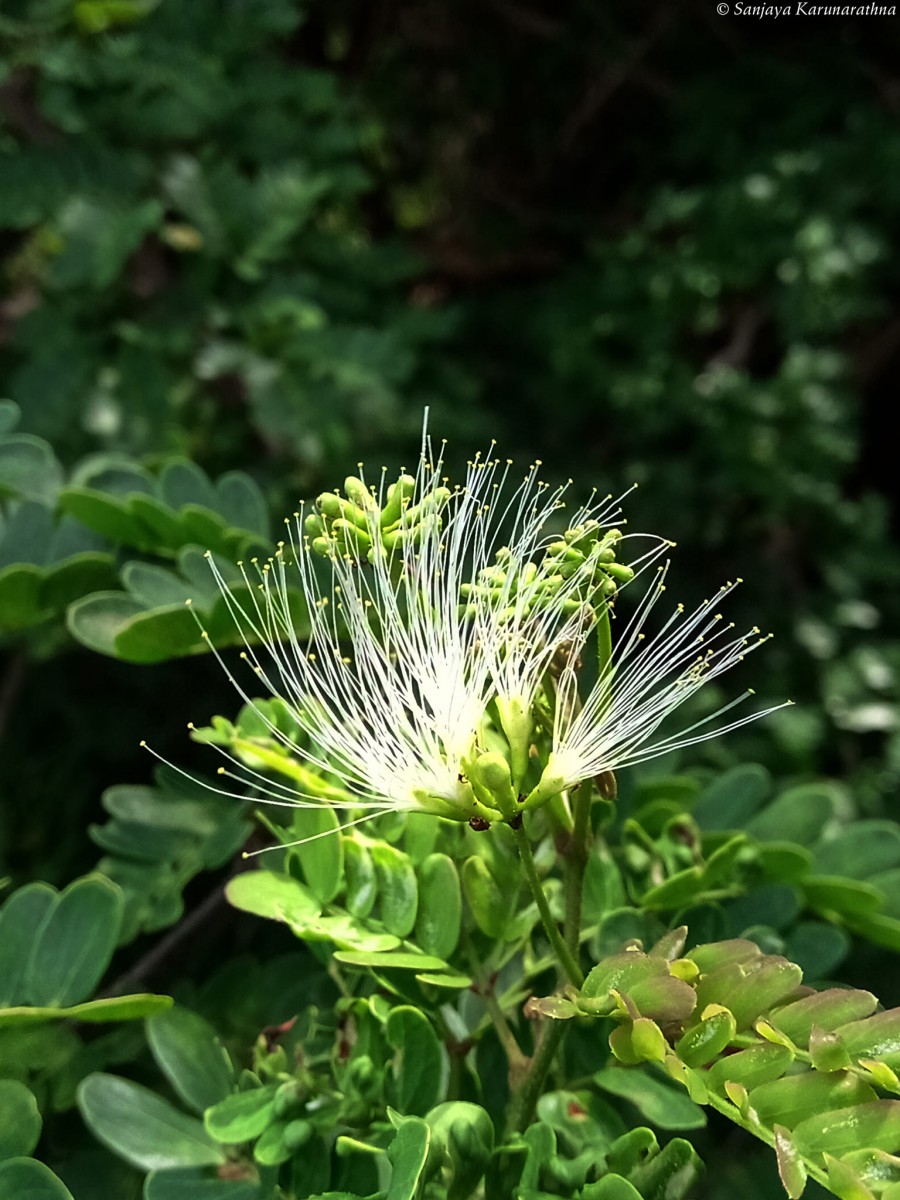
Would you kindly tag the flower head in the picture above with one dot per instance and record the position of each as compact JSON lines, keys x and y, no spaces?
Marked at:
{"x":424,"y":605}
{"x":435,"y":663}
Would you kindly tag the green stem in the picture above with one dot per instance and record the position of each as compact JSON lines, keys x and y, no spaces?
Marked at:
{"x":525,"y":1098}
{"x":564,"y":955}
{"x":577,"y":855}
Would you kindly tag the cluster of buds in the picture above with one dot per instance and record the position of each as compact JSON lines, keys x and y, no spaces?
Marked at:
{"x":356,"y":526}
{"x":580,"y":569}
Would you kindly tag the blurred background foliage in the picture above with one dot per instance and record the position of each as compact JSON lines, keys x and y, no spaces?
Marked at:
{"x":244,"y":244}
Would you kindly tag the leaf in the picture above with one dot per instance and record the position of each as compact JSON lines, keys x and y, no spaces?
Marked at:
{"x":107,"y":516}
{"x":20,"y":1120}
{"x":749,"y":989}
{"x":730,"y":801}
{"x":835,"y":894}
{"x":791,"y":1170}
{"x":439,"y":918}
{"x":97,"y":620}
{"x":242,"y":1116}
{"x":750,"y":1068}
{"x":75,"y":942}
{"x":191,"y":1056}
{"x":407,"y":1154}
{"x":242,"y":503}
{"x":20,"y":589}
{"x":359,"y":876}
{"x":659,"y":1101}
{"x":790,"y":1100}
{"x":877,"y":1036}
{"x":275,"y":896}
{"x":199,"y":1183}
{"x":418,"y":1065}
{"x":828,"y":1010}
{"x":20,"y":918}
{"x":398,"y":892}
{"x":29,"y":469}
{"x":797,"y":815}
{"x":27,"y":1179}
{"x":859,"y":850}
{"x":141,"y":1127}
{"x":109,"y":1008}
{"x":866,"y":1126}
{"x":158,"y":636}
{"x":491,"y":906}
{"x":610,"y":1187}
{"x":400,"y":960}
{"x":322,"y":858}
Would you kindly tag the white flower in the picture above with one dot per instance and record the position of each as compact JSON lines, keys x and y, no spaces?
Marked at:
{"x":648,"y":677}
{"x":390,"y":688}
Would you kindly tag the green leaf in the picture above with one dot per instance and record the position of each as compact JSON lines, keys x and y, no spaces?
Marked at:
{"x":191,"y":1056}
{"x":828,"y":1010}
{"x":154,"y":586}
{"x":107,"y":516}
{"x":97,"y":620}
{"x":866,"y":1126}
{"x":20,"y":589}
{"x":74,"y":577}
{"x":29,"y":469}
{"x":859,"y":850}
{"x":143,"y":1128}
{"x":398,"y":892}
{"x":658,"y":1100}
{"x":750,"y":1068}
{"x":400,"y":960}
{"x":75,"y":942}
{"x":834,"y":894}
{"x":243,"y":1115}
{"x":199,"y":1183}
{"x":610,"y":1187}
{"x":439,"y":919}
{"x":672,"y":1174}
{"x":20,"y":918}
{"x":749,"y":989}
{"x":492,"y":906}
{"x":182,"y":482}
{"x":95,"y":1012}
{"x":791,"y":1169}
{"x":707,"y":1039}
{"x":241,"y":502}
{"x":877,"y":1036}
{"x":790,"y":1100}
{"x":418,"y":1066}
{"x":797,"y":815}
{"x":730,"y":801}
{"x":359,"y":873}
{"x":20,"y":1120}
{"x":27,"y":1179}
{"x":275,"y":896}
{"x":158,"y":636}
{"x":322,"y":858}
{"x":408,"y":1153}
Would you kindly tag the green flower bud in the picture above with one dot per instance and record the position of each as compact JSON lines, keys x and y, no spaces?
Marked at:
{"x":515,"y":719}
{"x":550,"y":784}
{"x":398,"y":494}
{"x":359,"y":494}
